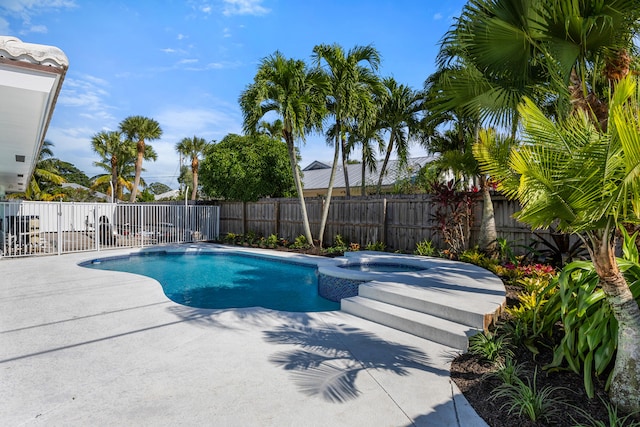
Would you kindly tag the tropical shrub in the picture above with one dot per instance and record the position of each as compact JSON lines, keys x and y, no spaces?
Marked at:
{"x":425,"y":248}
{"x":524,"y":399}
{"x":376,"y":246}
{"x":453,"y":215}
{"x":339,"y":246}
{"x":491,"y":347}
{"x":300,"y":242}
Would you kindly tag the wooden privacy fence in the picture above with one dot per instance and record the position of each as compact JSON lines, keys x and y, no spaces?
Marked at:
{"x":398,"y":221}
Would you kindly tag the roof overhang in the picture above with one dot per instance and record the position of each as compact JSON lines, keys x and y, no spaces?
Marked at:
{"x":31,"y":77}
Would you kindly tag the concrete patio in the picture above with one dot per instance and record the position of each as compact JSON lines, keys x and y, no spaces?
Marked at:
{"x":89,"y":347}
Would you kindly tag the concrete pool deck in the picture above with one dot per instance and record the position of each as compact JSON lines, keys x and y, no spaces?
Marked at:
{"x":90,"y":347}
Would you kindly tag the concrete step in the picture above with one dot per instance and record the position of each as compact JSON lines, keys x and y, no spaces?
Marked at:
{"x":424,"y":300}
{"x":424,"y":325}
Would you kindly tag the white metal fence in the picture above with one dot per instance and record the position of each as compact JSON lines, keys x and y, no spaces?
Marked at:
{"x":44,"y":228}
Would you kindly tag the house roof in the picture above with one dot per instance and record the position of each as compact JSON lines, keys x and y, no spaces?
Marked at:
{"x":318,"y":178}
{"x":31,"y":76}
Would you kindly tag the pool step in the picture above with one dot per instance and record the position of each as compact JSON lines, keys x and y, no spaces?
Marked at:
{"x":424,"y":300}
{"x":421,"y":324}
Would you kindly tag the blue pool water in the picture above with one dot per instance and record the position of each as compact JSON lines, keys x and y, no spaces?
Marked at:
{"x":228,"y":280}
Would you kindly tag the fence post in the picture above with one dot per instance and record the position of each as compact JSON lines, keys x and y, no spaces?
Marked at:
{"x":383,"y":221}
{"x":276,"y":214}
{"x":244,"y":218}
{"x":59,"y":225}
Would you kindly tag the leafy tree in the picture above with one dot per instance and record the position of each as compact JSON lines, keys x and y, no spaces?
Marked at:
{"x":587,"y":181}
{"x":141,"y":129}
{"x":193,"y":148}
{"x":71,"y":173}
{"x":247,"y":168}
{"x":185,"y":178}
{"x":287,"y":88}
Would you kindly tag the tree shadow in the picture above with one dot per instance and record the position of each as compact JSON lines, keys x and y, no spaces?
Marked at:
{"x":328,"y":360}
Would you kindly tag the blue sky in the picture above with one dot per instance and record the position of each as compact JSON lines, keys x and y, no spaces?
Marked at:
{"x":184,"y":63}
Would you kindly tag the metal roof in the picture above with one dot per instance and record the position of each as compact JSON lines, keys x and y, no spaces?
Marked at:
{"x":319,"y":178}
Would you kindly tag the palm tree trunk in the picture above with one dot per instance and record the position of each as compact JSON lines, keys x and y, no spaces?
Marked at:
{"x":383,"y":168}
{"x":625,"y":384}
{"x":327,"y":202}
{"x":488,"y":233}
{"x":343,"y":145}
{"x":293,"y":160}
{"x":194,"y":174}
{"x":136,"y":181}
{"x":114,"y":177}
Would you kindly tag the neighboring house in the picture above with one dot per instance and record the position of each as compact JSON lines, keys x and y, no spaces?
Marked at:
{"x":315,"y":179}
{"x":31,"y":76}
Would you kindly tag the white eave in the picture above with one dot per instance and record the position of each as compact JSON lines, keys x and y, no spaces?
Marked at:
{"x":31,"y":77}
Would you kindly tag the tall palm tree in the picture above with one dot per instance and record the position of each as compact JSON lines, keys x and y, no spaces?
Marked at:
{"x":193,"y":148}
{"x":587,"y":181}
{"x":400,"y":108}
{"x":140,"y":129}
{"x":349,"y":96}
{"x":287,"y":88}
{"x":351,"y":90}
{"x":116,"y":152}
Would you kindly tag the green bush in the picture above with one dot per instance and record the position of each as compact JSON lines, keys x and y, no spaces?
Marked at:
{"x":339,"y":246}
{"x":300,"y":242}
{"x":272,"y":241}
{"x":526,"y":400}
{"x":425,"y":248}
{"x":376,"y":246}
{"x":491,"y":347}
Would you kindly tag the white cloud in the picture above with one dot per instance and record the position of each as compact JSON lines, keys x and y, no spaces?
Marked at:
{"x":4,"y":26}
{"x":27,"y":9}
{"x":181,"y":36}
{"x":244,"y":7}
{"x":206,"y":9}
{"x":42,"y":29}
{"x":187,"y":61}
{"x":226,"y":32}
{"x":86,"y":93}
{"x":437,"y":17}
{"x":168,"y":50}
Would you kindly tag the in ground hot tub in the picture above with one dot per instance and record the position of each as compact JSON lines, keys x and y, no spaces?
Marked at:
{"x":343,"y":279}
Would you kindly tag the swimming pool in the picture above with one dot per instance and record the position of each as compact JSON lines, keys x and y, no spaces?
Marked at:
{"x":227,"y":280}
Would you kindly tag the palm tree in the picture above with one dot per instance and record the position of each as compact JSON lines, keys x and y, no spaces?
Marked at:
{"x":116,"y":152}
{"x":351,"y":88}
{"x":587,"y":181}
{"x":44,"y":174}
{"x":399,"y":116}
{"x":349,"y":97}
{"x":551,"y":51}
{"x":193,"y":148}
{"x":273,"y":130}
{"x":140,"y":129}
{"x":287,"y":88}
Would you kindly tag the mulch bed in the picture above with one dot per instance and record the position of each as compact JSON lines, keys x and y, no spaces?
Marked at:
{"x":472,"y":376}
